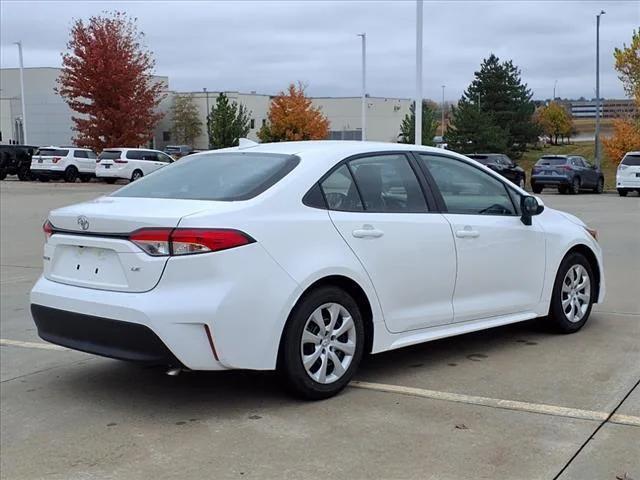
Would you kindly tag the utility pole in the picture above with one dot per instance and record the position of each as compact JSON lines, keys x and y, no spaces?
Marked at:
{"x":24,"y":109}
{"x":364,"y":85}
{"x":418,"y":101}
{"x":554,"y":90}
{"x":206,"y":93}
{"x":442,"y":108}
{"x":602,"y":12}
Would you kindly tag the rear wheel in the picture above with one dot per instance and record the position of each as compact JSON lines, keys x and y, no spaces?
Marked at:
{"x":536,"y":188}
{"x":573,"y":294}
{"x":24,"y":173}
{"x":322,"y":344}
{"x":575,"y":186}
{"x":136,"y":175}
{"x":3,"y":173}
{"x":622,"y":192}
{"x":71,"y":174}
{"x":600,"y":186}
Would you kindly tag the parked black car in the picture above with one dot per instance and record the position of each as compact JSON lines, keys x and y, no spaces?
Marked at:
{"x":567,"y":173}
{"x":16,"y":160}
{"x":503,"y":165}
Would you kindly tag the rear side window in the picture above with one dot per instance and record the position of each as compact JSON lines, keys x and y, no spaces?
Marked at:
{"x":341,"y":192}
{"x":387,"y":184}
{"x":214,"y":176}
{"x":110,"y":154}
{"x":551,"y":161}
{"x":631,"y":160}
{"x":91,"y":154}
{"x":53,"y":152}
{"x":80,"y":154}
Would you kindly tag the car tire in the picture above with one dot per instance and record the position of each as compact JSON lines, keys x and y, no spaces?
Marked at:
{"x":570,"y":303}
{"x":71,"y":174}
{"x":136,"y":175}
{"x":329,"y":368}
{"x":563,"y":190}
{"x":522,"y":182}
{"x":600,"y":186}
{"x":110,"y":181}
{"x":24,"y":174}
{"x":575,"y":186}
{"x":536,"y":189}
{"x":3,"y":173}
{"x":622,"y":193}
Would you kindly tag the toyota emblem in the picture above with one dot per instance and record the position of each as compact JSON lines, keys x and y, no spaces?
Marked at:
{"x":83,"y":222}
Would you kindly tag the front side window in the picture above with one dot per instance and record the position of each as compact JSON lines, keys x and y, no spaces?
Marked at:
{"x":164,"y":158}
{"x":387,"y":183}
{"x":340,"y":191}
{"x":466,"y":189}
{"x":214,"y":176}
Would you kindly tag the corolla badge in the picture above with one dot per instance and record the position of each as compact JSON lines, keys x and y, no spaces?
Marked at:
{"x":83,"y":222}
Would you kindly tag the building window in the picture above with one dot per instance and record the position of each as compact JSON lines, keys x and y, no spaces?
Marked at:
{"x":345,"y":135}
{"x":264,"y":122}
{"x":166,"y":136}
{"x":253,"y":124}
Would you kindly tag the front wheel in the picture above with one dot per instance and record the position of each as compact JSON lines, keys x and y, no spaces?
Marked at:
{"x":71,"y":174}
{"x":600,"y":186}
{"x":573,"y":294}
{"x":24,"y":173}
{"x":137,"y":174}
{"x":536,"y":189}
{"x":322,"y":344}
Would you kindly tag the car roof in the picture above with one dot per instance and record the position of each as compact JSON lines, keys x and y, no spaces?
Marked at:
{"x":633,"y":153}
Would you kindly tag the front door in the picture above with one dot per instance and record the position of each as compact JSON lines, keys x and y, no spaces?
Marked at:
{"x":501,"y":261}
{"x":408,"y":253}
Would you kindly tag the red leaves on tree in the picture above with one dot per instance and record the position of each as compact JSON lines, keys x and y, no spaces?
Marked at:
{"x":107,"y":78}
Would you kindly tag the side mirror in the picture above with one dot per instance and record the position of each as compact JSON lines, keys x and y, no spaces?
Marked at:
{"x":529,"y":206}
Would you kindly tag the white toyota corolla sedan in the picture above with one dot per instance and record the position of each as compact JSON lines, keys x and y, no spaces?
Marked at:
{"x":304,"y":256}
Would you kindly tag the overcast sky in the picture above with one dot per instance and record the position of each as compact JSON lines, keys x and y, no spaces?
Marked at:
{"x":264,"y":45}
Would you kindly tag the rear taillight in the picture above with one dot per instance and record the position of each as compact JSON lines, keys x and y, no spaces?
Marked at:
{"x":187,"y":241}
{"x":56,"y":159}
{"x":118,"y":160}
{"x":567,"y":168}
{"x":47,"y":228}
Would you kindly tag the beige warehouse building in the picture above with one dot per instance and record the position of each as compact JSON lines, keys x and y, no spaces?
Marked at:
{"x":49,"y":117}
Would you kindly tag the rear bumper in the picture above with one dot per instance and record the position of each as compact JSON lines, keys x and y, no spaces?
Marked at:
{"x":48,"y":172}
{"x":113,"y":173}
{"x":627,"y":183}
{"x":102,"y":336}
{"x":550,"y":180}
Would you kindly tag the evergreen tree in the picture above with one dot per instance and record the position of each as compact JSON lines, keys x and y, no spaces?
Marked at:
{"x":474,"y":131}
{"x":429,"y":124}
{"x":500,"y":100}
{"x":227,"y":123}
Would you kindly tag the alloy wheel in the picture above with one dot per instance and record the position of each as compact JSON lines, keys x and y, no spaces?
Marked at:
{"x":576,"y":293}
{"x":328,"y":343}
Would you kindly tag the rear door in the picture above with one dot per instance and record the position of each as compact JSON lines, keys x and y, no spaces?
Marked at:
{"x":85,"y":165}
{"x":501,"y":261}
{"x":588,"y":175}
{"x":379,"y":208}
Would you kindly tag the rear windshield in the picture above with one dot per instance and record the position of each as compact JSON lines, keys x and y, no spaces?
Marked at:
{"x":552,"y":161}
{"x":53,"y":152}
{"x":484,"y":159}
{"x":110,"y":154}
{"x":631,"y":160}
{"x":214,"y":176}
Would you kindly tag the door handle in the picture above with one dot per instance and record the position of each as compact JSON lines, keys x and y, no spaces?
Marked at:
{"x":367,"y":231}
{"x":467,"y":232}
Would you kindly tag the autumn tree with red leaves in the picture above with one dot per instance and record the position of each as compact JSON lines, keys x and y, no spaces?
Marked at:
{"x":293,"y":117}
{"x":107,"y":78}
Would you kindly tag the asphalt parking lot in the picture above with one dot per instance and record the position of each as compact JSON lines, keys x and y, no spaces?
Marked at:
{"x":517,"y":402}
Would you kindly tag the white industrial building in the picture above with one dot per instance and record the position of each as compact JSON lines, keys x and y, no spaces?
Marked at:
{"x":49,"y":117}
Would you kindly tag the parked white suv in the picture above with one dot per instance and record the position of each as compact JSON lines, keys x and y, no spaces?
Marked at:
{"x":129,"y":163}
{"x":628,"y":175}
{"x":69,"y":163}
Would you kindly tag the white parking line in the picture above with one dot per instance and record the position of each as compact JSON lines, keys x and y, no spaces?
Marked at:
{"x":436,"y":395}
{"x":38,"y":345}
{"x":500,"y":403}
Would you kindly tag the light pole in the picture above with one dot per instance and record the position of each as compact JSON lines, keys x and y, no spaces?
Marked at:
{"x":602,"y":12}
{"x":364,"y":85}
{"x":418,"y":103}
{"x":442,"y":108}
{"x":24,"y":110}
{"x":555,"y":83}
{"x":206,"y":93}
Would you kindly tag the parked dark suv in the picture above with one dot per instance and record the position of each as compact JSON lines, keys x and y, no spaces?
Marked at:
{"x":503,"y":165}
{"x":16,"y":160}
{"x":567,"y":173}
